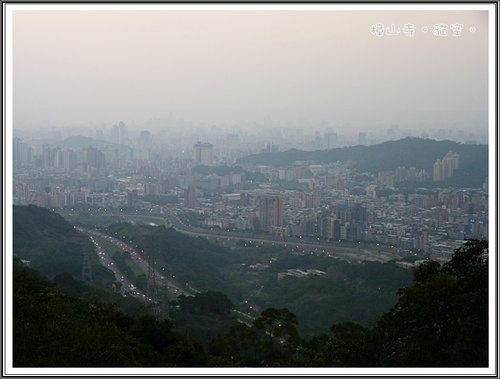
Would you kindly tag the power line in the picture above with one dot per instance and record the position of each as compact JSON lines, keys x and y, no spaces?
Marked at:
{"x":87,"y":267}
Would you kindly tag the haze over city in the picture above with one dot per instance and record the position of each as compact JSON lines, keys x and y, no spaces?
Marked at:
{"x":249,"y":70}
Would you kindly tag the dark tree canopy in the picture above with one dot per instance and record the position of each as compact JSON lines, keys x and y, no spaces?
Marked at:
{"x":442,"y":320}
{"x":208,"y":303}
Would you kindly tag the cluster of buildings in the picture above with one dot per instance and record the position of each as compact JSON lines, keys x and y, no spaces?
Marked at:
{"x":58,"y":159}
{"x":298,"y":273}
{"x":328,"y":202}
{"x":436,"y":222}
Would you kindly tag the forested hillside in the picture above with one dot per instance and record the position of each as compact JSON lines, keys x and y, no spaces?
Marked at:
{"x":49,"y":242}
{"x":54,"y":248}
{"x":408,"y":152}
{"x":357,"y":292}
{"x":439,"y":321}
{"x":55,"y":330}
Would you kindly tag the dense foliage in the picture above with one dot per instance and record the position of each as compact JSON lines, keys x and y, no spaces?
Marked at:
{"x":439,"y":321}
{"x":51,"y":244}
{"x":347,"y":292}
{"x":442,"y":320}
{"x":358,"y":292}
{"x":55,"y":330}
{"x":68,"y":285}
{"x":203,"y":316}
{"x":193,"y":259}
{"x":55,"y":248}
{"x":210,"y":303}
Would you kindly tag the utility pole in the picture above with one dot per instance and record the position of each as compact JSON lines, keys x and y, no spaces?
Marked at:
{"x":158,"y":293}
{"x":87,"y":267}
{"x":152,"y":288}
{"x":164,"y":298}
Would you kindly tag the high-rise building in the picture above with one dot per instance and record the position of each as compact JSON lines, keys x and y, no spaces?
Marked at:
{"x":443,"y":168}
{"x":142,"y":151}
{"x":22,"y":152}
{"x":145,"y":139}
{"x":437,"y":171}
{"x":203,"y":153}
{"x":451,"y":161}
{"x":119,"y":134}
{"x":359,"y":214}
{"x":94,"y":158}
{"x":69,"y":160}
{"x":123,"y":133}
{"x":421,"y":240}
{"x":311,"y":200}
{"x":58,"y":158}
{"x":271,"y":213}
{"x":47,"y":156}
{"x":115,"y":134}
{"x":190,"y":200}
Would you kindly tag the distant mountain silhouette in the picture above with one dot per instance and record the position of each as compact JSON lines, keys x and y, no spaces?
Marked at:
{"x":408,"y":152}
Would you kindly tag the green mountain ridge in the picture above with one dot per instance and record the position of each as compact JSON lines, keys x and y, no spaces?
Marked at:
{"x":408,"y":152}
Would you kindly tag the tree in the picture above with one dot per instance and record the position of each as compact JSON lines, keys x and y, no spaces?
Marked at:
{"x":271,"y":340}
{"x":442,"y":320}
{"x":239,"y":347}
{"x":352,"y":346}
{"x":210,"y":303}
{"x":51,"y":329}
{"x":278,"y":337}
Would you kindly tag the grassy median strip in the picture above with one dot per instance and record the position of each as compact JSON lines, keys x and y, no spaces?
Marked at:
{"x":122,"y":259}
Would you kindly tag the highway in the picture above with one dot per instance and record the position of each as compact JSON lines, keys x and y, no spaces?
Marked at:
{"x":362,"y":252}
{"x":141,"y":262}
{"x":127,"y":287}
{"x":331,"y":249}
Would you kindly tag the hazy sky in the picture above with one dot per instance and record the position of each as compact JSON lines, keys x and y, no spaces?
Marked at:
{"x":231,"y":66}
